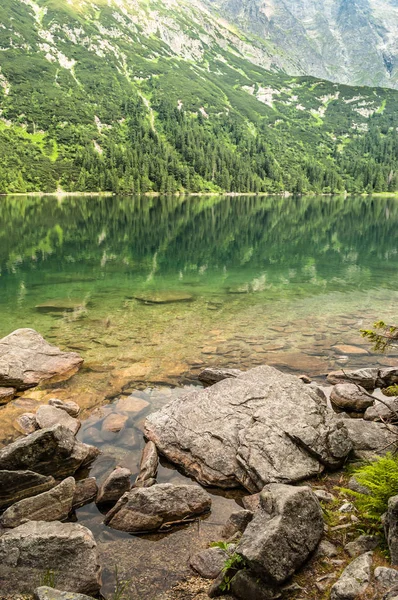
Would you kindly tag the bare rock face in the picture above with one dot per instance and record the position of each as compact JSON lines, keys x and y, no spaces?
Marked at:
{"x":47,"y":416}
{"x":17,"y":485}
{"x":213,"y":375}
{"x":52,"y":451}
{"x":350,"y":397}
{"x":26,"y":359}
{"x":68,"y":406}
{"x":6,"y":394}
{"x":53,"y":505}
{"x":354,"y":579}
{"x":67,"y":549}
{"x":148,"y":509}
{"x":283,"y":533}
{"x":386,"y":578}
{"x":371,"y":439}
{"x":263,"y":426}
{"x":148,"y":466}
{"x":117,"y":484}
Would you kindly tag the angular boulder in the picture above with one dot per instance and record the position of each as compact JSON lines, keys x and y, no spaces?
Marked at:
{"x":17,"y":485}
{"x":117,"y":484}
{"x":237,"y":523}
{"x":246,"y":585}
{"x":47,"y":416}
{"x":148,"y":466}
{"x":363,"y":544}
{"x":213,"y":375}
{"x":66,"y":549}
{"x":26,"y":423}
{"x":261,"y":427}
{"x":371,"y":439}
{"x":86,"y":491}
{"x":283,"y":533}
{"x":349,"y":397}
{"x":26,"y":359}
{"x":209,"y":563}
{"x":386,"y":411}
{"x":354,"y":580}
{"x":52,"y":451}
{"x":54,"y":505}
{"x":148,"y":509}
{"x":386,"y":578}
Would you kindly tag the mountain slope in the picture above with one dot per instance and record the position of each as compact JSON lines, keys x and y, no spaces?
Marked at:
{"x":143,"y":95}
{"x":349,"y":41}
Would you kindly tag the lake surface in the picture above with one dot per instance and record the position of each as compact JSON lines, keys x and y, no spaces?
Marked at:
{"x":151,"y":290}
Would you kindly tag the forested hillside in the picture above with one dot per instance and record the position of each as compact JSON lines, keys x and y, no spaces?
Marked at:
{"x":161,"y":96}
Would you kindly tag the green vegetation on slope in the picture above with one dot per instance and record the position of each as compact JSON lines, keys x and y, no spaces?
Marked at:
{"x":91,"y":102}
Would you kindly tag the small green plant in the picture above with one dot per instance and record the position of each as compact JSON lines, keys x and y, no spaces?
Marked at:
{"x":222,"y":545}
{"x":381,"y":479}
{"x":382,"y":336}
{"x":391,"y":391}
{"x":232,"y":565}
{"x":48,"y":579}
{"x":121,"y":586}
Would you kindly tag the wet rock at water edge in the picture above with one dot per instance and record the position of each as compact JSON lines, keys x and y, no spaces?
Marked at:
{"x":53,"y":451}
{"x":385,"y":411}
{"x":68,"y":406}
{"x":117,"y":484}
{"x":213,"y":375}
{"x":86,"y":491}
{"x":163,"y":297}
{"x":47,"y":593}
{"x":148,"y":466}
{"x":17,"y":485}
{"x":371,"y":439}
{"x":263,"y":426}
{"x":47,"y":416}
{"x":366,"y":378}
{"x":26,"y":359}
{"x":26,"y":423}
{"x":350,"y":397}
{"x":53,"y":505}
{"x":354,"y":579}
{"x":283,"y":533}
{"x":37,"y":547}
{"x":149,"y":509}
{"x":209,"y":563}
{"x":6,"y":394}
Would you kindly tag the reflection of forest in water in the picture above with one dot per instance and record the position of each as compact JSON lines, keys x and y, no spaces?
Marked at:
{"x":338,"y":240}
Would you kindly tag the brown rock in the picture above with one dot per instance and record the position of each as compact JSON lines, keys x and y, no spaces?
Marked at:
{"x":346,"y":349}
{"x":148,"y":466}
{"x":26,"y":423}
{"x":85,"y":492}
{"x":26,"y":359}
{"x":6,"y":394}
{"x":131,"y":404}
{"x":47,"y":416}
{"x":17,"y":485}
{"x":114,"y":423}
{"x":212,"y":375}
{"x":118,"y":482}
{"x":350,"y":397}
{"x":68,"y":406}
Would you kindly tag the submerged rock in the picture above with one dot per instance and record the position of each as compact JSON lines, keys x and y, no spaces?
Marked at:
{"x":350,"y":397}
{"x":263,"y":426}
{"x":17,"y":485}
{"x":148,"y":509}
{"x":52,"y":451}
{"x":66,"y":549}
{"x":117,"y":484}
{"x":26,"y":359}
{"x":61,"y":306}
{"x":47,"y":416}
{"x":163,"y":297}
{"x":53,"y":505}
{"x":283,"y":533}
{"x":354,"y":579}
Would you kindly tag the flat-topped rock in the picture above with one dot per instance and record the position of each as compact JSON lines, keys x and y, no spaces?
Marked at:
{"x":47,"y":416}
{"x":163,"y":297}
{"x":26,"y":359}
{"x":148,"y":509}
{"x":53,"y":451}
{"x":37,"y":547}
{"x":261,"y":427}
{"x":17,"y":485}
{"x":53,"y":505}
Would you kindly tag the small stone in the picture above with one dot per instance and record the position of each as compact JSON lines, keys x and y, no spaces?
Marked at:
{"x":353,"y":350}
{"x":6,"y":394}
{"x":68,"y":406}
{"x":114,"y":423}
{"x":347,"y":507}
{"x":326,"y":549}
{"x":324,"y":496}
{"x":364,"y":543}
{"x":85,"y":492}
{"x":148,"y":466}
{"x":305,"y":379}
{"x":209,"y":563}
{"x":354,"y":579}
{"x":26,"y":423}
{"x":386,"y":578}
{"x":47,"y":593}
{"x":118,"y":482}
{"x":212,"y":375}
{"x":47,"y":416}
{"x":237,"y":523}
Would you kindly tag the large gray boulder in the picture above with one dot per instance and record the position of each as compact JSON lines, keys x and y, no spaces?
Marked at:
{"x":391,"y":528}
{"x":30,"y":551}
{"x":261,"y":427}
{"x":371,"y":439}
{"x":354,"y":580}
{"x":148,"y":509}
{"x":52,"y":451}
{"x":54,"y":505}
{"x":283,"y":533}
{"x":17,"y":485}
{"x":47,"y":416}
{"x":26,"y":359}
